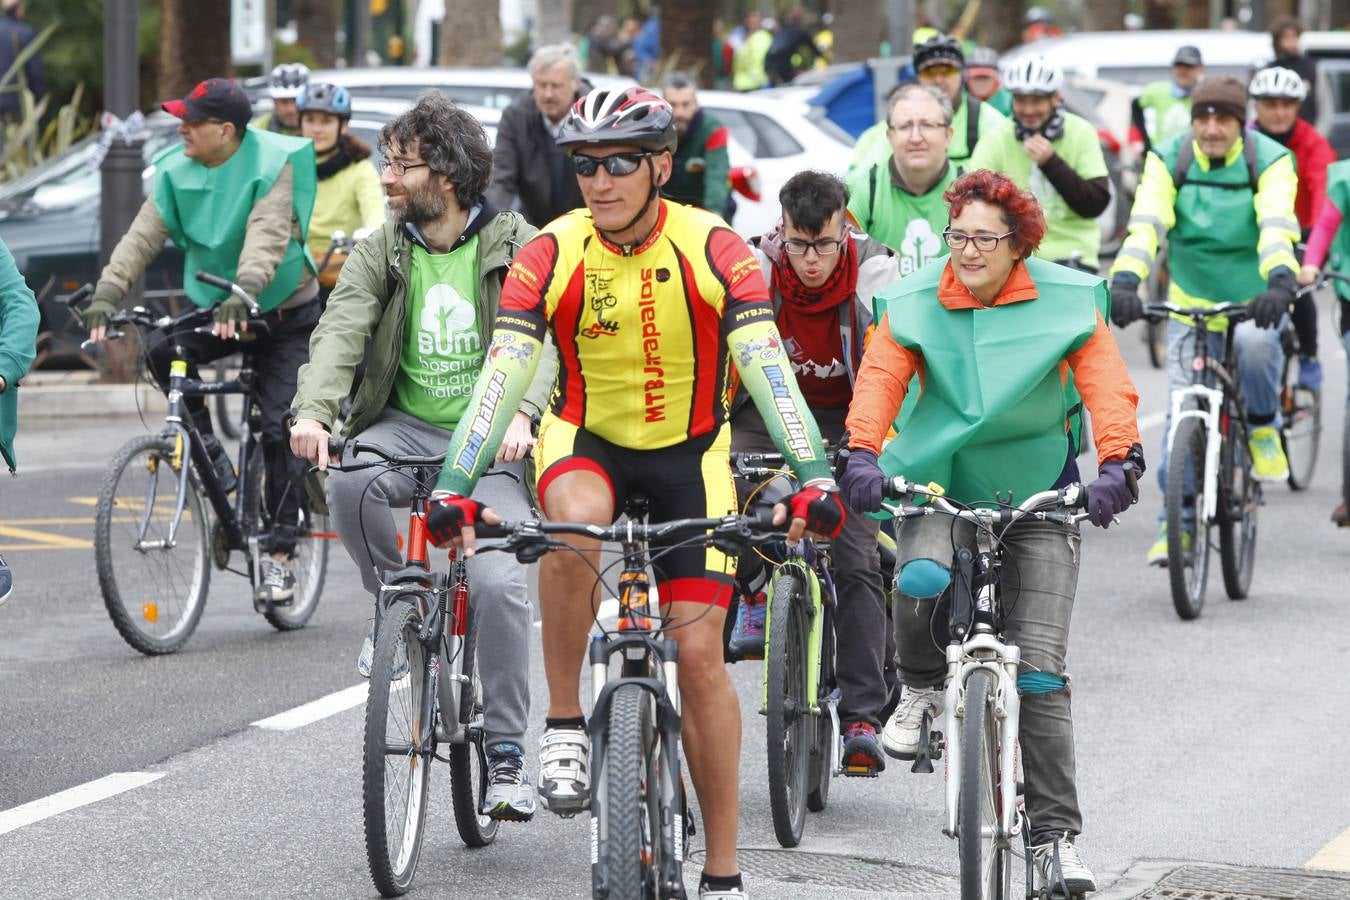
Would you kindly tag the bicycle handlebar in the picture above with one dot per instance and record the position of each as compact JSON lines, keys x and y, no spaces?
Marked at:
{"x":527,"y":539}
{"x":1236,"y":312}
{"x":1052,"y":505}
{"x":226,"y":285}
{"x":1323,"y":276}
{"x":336,"y":446}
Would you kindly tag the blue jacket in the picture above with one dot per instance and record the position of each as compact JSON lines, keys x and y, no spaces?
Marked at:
{"x":18,"y":339}
{"x":14,"y":36}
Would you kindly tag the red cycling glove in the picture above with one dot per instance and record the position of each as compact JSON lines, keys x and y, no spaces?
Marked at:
{"x":821,"y":507}
{"x":448,"y":516}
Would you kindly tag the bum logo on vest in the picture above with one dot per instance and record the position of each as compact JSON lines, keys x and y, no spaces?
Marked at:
{"x":919,"y":247}
{"x":447,"y":342}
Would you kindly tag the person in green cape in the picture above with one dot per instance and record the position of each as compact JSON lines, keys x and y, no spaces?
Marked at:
{"x":992,"y":334}
{"x":237,"y":202}
{"x":18,"y":334}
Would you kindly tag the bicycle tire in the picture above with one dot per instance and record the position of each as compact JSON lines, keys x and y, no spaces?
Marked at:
{"x":1240,"y":497}
{"x":1156,"y":338}
{"x":1301,"y":433}
{"x":1187,"y":571}
{"x":627,"y":848}
{"x":821,"y":769}
{"x":228,"y":406}
{"x":1345,"y":457}
{"x":468,"y":760}
{"x":394,"y":842}
{"x":788,"y":729}
{"x":117,"y":558}
{"x":985,"y":857}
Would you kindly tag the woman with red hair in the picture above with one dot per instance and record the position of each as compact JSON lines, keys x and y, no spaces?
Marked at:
{"x":993,"y":335}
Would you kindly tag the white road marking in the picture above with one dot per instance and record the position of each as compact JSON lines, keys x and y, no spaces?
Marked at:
{"x":80,"y":795}
{"x":1335,"y":856}
{"x":309,"y":713}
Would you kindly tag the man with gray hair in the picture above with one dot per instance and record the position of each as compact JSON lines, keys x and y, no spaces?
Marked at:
{"x":423,"y":293}
{"x":529,"y":167}
{"x":699,"y":176}
{"x":898,"y":201}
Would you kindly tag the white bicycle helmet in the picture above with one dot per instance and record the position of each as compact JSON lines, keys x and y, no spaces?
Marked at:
{"x":1032,"y":74}
{"x":1278,"y":82}
{"x":633,"y":115}
{"x":287,"y":81}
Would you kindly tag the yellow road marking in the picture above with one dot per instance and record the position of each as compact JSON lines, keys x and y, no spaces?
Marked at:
{"x":46,"y":521}
{"x":42,"y":540}
{"x":1335,"y":856}
{"x":85,"y":501}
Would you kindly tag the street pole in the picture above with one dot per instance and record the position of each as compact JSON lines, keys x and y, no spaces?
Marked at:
{"x":122,"y":168}
{"x":900,"y":16}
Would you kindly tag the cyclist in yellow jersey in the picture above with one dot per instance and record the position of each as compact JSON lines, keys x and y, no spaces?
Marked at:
{"x":649,"y":303}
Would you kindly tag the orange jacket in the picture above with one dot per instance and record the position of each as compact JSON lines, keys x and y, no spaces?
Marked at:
{"x":1098,"y":371}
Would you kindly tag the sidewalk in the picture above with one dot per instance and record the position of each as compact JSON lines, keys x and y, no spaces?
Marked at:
{"x":49,"y":398}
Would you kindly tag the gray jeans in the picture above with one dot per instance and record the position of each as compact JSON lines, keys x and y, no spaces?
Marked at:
{"x":362,"y":505}
{"x":1039,"y":578}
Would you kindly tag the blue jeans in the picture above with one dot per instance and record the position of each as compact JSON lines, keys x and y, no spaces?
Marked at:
{"x":1259,"y":360}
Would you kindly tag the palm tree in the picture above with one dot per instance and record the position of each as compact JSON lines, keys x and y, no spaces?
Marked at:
{"x":194,"y":44}
{"x":316,"y":23}
{"x":686,"y":38}
{"x":471,"y":34}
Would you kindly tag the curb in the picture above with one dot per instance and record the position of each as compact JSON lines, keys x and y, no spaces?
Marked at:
{"x":51,"y":398}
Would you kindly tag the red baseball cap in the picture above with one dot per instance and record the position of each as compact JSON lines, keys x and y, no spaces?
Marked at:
{"x":214,"y":98}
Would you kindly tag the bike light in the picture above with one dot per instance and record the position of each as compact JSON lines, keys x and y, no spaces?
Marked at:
{"x":150,"y":611}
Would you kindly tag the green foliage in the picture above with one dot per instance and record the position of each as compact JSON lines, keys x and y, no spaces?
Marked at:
{"x":295,"y":53}
{"x":28,"y":142}
{"x":74,"y":55}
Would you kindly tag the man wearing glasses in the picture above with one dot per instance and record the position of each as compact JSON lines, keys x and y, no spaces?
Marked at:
{"x":423,"y":293}
{"x":648,"y":302}
{"x":898,"y":201}
{"x":821,"y":277}
{"x":237,"y":202}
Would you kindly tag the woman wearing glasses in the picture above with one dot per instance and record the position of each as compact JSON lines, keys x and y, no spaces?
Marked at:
{"x":992,"y":335}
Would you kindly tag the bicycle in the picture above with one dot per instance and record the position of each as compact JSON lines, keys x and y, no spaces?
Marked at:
{"x":640,"y":824}
{"x":154,"y":544}
{"x":800,"y":697}
{"x":424,"y":691}
{"x":1300,"y":407}
{"x":1208,"y":446}
{"x":984,"y":809}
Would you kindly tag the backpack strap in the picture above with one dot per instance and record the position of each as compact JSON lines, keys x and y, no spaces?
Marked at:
{"x":1186,"y":156}
{"x":1249,"y":153}
{"x":972,"y":122}
{"x":871,"y":197}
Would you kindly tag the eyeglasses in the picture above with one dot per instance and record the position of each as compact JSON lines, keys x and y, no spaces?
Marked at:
{"x":399,"y":167}
{"x":939,"y":72}
{"x":617,"y":164}
{"x":921,"y":126}
{"x":983,"y":242}
{"x":823,"y":247}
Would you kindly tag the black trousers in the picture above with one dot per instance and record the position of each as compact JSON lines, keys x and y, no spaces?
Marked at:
{"x":277,"y":359}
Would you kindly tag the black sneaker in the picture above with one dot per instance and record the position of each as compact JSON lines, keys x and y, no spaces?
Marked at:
{"x":220,"y":461}
{"x":277,"y":584}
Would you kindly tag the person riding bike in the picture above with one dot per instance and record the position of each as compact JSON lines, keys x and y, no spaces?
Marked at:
{"x":821,"y":277}
{"x":983,"y":80}
{"x":237,"y":201}
{"x":1054,"y":154}
{"x":284,"y":86}
{"x":1225,"y":204}
{"x":1163,"y":108}
{"x":423,"y":292}
{"x":1278,"y":94}
{"x":350,"y":198}
{"x":649,"y":303}
{"x":1036,"y":318}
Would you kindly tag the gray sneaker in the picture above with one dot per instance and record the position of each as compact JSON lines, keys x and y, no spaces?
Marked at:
{"x":367,"y":655}
{"x":1060,"y":868}
{"x":277,"y":583}
{"x":510,"y":796}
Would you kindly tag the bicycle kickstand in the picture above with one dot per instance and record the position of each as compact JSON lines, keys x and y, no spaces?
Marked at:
{"x":930,"y":747}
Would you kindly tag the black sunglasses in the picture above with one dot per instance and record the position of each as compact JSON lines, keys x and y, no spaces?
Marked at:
{"x":618,"y":164}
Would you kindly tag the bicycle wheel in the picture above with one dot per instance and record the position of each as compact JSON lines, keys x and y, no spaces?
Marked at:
{"x":821,"y":767}
{"x":154,"y":590}
{"x":1187,"y":568}
{"x":1156,"y":337}
{"x":229,"y":407}
{"x":1301,"y":433}
{"x":985,"y":864}
{"x":310,"y":563}
{"x":468,"y":761}
{"x":626,"y":832}
{"x":1239,"y":498}
{"x":399,"y":742}
{"x":789,"y":728}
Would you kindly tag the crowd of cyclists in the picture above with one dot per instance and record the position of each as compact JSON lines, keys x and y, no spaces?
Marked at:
{"x":939,"y":311}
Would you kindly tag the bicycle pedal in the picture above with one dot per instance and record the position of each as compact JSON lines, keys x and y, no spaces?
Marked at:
{"x":861,"y":772}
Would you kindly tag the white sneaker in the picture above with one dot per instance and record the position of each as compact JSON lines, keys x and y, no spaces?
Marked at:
{"x":1077,"y":877}
{"x":367,"y":655}
{"x":707,"y":893}
{"x":900,"y":738}
{"x":564,"y":770}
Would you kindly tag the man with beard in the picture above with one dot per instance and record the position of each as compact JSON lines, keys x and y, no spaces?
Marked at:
{"x":700,"y":174}
{"x":423,"y":292}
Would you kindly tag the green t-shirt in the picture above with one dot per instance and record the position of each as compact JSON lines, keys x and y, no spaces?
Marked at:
{"x":909,"y":224}
{"x":443,"y":345}
{"x":1165,"y":114}
{"x":1080,"y":147}
{"x":873,"y":145}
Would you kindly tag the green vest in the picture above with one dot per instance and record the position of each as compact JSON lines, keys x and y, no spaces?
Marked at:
{"x":1212,"y":248}
{"x":1338,"y":192}
{"x":1165,"y":115}
{"x":991,"y":416}
{"x":910,"y":224}
{"x":206,"y":210}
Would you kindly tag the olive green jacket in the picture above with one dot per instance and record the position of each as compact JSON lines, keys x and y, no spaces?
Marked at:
{"x":370,"y":304}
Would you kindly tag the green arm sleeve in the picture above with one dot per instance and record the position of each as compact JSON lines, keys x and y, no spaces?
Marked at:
{"x":507,"y":372}
{"x":760,"y":358}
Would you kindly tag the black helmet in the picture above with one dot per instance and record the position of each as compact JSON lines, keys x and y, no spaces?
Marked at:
{"x":633,"y":115}
{"x":326,"y":98}
{"x":938,"y":49}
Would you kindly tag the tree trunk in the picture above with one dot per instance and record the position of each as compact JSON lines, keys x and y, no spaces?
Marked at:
{"x":553,"y":24}
{"x":193,"y":44}
{"x":1104,"y":15}
{"x":585,"y":12}
{"x":316,"y":23}
{"x":1001,"y":26}
{"x":1275,"y":9}
{"x":1195,"y":14}
{"x":859,"y":28}
{"x":471,"y":34}
{"x":686,"y":40}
